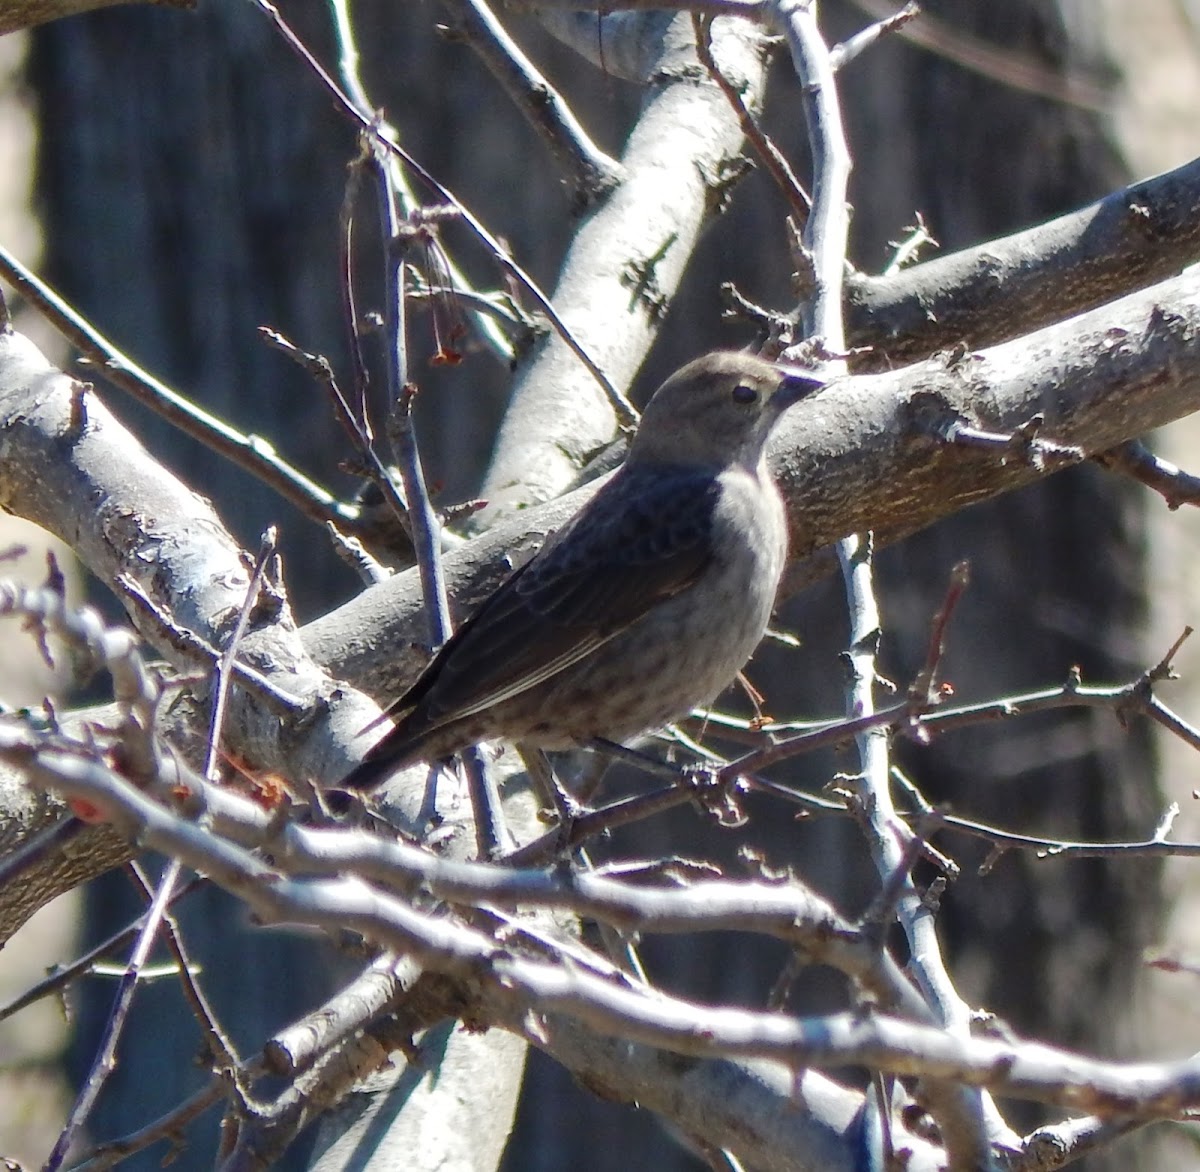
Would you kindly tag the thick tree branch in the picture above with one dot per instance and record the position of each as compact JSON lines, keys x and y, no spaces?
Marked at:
{"x":129,"y":520}
{"x":625,"y":263}
{"x":1004,"y":288}
{"x":867,"y":453}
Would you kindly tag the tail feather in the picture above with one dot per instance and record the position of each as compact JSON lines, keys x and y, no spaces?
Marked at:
{"x":372,"y":771}
{"x":398,"y":748}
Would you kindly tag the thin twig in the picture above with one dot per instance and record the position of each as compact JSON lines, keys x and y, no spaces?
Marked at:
{"x":346,"y":268}
{"x":1135,"y":460}
{"x":922,"y":692}
{"x":169,"y":1126}
{"x":298,"y":1047}
{"x":593,"y":173}
{"x":626,"y":415}
{"x":486,"y":325}
{"x":251,"y":452}
{"x":356,"y":425}
{"x":849,"y":50}
{"x":908,"y":250}
{"x":773,"y":158}
{"x":223,"y":669}
{"x":823,"y":735}
{"x":597,"y":822}
{"x":1155,"y":847}
{"x":220,"y":1047}
{"x":355,"y":555}
{"x":1022,"y":443}
{"x":63,"y":975}
{"x":136,"y":689}
{"x":104,"y":1062}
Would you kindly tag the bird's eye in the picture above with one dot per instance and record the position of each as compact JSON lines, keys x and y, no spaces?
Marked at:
{"x":744,"y":395}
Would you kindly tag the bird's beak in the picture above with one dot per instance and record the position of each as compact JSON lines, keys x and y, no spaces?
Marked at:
{"x":797,"y":384}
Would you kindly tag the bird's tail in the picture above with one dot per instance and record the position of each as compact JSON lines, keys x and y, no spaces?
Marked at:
{"x":372,"y":771}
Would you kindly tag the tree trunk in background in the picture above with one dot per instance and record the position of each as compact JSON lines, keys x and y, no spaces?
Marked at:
{"x":191,"y":175}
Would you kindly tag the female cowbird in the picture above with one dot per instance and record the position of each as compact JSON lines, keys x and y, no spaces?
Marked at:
{"x":644,"y":605}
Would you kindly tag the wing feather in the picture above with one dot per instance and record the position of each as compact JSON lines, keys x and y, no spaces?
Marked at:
{"x":643,"y":538}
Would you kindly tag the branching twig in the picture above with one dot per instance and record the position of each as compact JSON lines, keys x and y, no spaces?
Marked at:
{"x":486,"y":325}
{"x":223,"y":669}
{"x":187,"y":641}
{"x":356,"y":427}
{"x":251,"y":452}
{"x":332,"y":1027}
{"x":1023,"y":443}
{"x":220,"y":1047}
{"x":401,"y":391}
{"x":841,"y":55}
{"x":965,"y":1117}
{"x":625,"y":413}
{"x":490,"y":832}
{"x":114,"y":649}
{"x":774,"y":160}
{"x":1134,"y":459}
{"x":593,"y":173}
{"x":63,"y":975}
{"x":510,"y":986}
{"x":104,"y":1060}
{"x":168,"y":1126}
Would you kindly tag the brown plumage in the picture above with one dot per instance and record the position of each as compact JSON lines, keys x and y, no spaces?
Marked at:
{"x":644,"y":605}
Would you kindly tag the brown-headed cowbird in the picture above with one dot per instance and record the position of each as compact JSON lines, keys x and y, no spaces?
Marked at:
{"x":644,"y":605}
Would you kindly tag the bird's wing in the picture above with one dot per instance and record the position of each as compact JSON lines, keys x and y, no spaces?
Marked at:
{"x":642,"y":539}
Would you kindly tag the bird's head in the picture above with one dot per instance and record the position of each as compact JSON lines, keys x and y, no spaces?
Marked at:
{"x":718,"y":410}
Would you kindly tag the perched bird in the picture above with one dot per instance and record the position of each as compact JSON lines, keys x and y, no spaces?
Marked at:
{"x":644,"y":605}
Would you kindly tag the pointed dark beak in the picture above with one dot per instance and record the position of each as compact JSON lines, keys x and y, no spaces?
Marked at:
{"x":796,"y":385}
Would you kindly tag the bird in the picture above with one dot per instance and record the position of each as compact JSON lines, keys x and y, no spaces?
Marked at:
{"x":644,"y":605}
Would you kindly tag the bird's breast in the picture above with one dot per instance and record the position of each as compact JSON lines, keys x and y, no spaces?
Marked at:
{"x":686,"y":648}
{"x":750,"y":528}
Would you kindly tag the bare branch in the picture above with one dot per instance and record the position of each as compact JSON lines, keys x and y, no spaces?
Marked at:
{"x":1135,"y":460}
{"x":251,"y":452}
{"x":999,"y":290}
{"x":625,"y":263}
{"x":593,"y":174}
{"x":862,"y":456}
{"x":511,"y":986}
{"x":772,"y":157}
{"x":486,"y":326}
{"x":498,"y":251}
{"x":843,"y":54}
